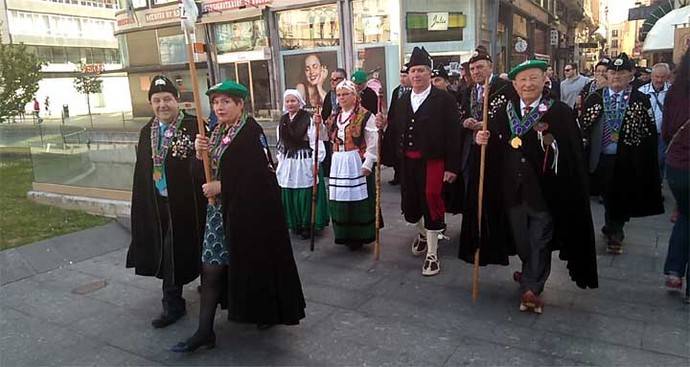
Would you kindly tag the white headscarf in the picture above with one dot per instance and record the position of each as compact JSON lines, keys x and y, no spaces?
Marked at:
{"x":296,"y":94}
{"x":348,"y":85}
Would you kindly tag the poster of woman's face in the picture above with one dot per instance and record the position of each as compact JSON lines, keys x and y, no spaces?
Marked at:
{"x":309,"y":73}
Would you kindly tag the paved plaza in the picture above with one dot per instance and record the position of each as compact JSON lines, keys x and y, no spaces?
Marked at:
{"x":69,"y":301}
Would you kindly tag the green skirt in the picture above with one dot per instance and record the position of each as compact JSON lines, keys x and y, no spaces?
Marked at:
{"x":297,"y":207}
{"x":355,"y":221}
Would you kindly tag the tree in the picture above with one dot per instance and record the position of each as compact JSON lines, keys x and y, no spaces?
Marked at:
{"x":20,"y":72}
{"x":88,"y":82}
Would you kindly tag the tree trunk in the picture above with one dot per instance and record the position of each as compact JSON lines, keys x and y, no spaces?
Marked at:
{"x":88,"y":105}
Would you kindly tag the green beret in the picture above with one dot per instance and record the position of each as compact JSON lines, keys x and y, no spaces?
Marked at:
{"x":529,"y":64}
{"x":230,"y":88}
{"x":359,"y":77}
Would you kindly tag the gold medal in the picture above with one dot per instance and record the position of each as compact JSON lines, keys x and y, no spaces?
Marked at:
{"x":516,"y":142}
{"x":157,"y":175}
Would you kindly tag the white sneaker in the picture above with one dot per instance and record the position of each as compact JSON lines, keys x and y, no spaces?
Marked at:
{"x":432,"y":265}
{"x":419,"y":245}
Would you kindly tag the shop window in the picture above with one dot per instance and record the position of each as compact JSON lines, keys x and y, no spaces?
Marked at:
{"x":435,"y":27}
{"x":371,"y":21}
{"x":59,"y":55}
{"x":309,"y":28}
{"x":122,"y":51}
{"x":172,"y":49}
{"x":98,"y":55}
{"x":138,"y":41}
{"x":241,"y":36}
{"x":73,"y":55}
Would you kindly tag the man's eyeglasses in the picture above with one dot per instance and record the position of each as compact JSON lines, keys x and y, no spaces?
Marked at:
{"x":567,"y":69}
{"x":336,"y":79}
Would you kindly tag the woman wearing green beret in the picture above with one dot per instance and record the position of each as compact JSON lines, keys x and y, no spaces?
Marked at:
{"x":247,"y":261}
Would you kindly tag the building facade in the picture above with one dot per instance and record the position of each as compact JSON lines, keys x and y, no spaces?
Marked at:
{"x":271,"y":45}
{"x":67,"y":33}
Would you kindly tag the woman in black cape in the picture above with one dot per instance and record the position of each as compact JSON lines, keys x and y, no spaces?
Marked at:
{"x":247,"y":258}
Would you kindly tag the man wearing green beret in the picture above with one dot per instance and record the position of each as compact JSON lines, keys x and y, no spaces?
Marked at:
{"x":535,"y":190}
{"x":368,"y":98}
{"x":619,"y":126}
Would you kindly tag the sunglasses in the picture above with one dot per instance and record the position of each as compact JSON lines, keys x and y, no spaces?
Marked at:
{"x":336,"y":79}
{"x":567,"y":69}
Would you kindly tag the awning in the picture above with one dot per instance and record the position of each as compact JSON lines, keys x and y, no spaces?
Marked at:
{"x":661,"y":36}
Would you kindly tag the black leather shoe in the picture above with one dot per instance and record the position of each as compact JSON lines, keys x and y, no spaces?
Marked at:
{"x":264,"y":326}
{"x":194,"y":343}
{"x":166,"y":319}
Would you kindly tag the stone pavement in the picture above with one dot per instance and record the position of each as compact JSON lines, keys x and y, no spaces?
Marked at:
{"x":69,"y":301}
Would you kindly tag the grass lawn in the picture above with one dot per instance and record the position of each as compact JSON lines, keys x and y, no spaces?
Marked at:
{"x":21,"y":220}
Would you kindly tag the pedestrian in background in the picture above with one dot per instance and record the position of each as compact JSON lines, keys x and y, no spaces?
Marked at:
{"x":46,"y":105}
{"x":37,"y":109}
{"x":572,"y":84}
{"x":657,"y":91}
{"x":675,"y":132}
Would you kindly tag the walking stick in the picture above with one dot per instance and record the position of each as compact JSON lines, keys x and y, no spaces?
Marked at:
{"x":482,"y":163}
{"x":315,"y":182}
{"x":197,"y":106}
{"x":377,"y":244}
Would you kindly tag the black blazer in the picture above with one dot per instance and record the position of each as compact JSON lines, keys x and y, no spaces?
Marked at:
{"x":437,"y":131}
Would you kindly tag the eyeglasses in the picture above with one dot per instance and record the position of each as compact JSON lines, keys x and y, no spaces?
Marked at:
{"x":336,"y":79}
{"x":567,"y":69}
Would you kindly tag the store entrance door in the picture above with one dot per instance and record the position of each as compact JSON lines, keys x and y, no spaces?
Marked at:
{"x":253,"y":75}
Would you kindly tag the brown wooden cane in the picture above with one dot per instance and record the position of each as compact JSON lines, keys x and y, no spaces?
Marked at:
{"x":377,"y":243}
{"x":482,"y":163}
{"x":315,"y":182}
{"x":199,"y":121}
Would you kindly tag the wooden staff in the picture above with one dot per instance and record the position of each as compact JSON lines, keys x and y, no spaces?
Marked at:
{"x":377,"y":243}
{"x":482,"y":163}
{"x":315,"y":182}
{"x":197,"y":106}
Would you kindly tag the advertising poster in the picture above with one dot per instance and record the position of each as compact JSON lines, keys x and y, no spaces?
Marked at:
{"x":310,"y":74}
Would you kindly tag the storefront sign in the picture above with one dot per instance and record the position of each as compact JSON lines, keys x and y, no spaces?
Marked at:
{"x":437,"y":21}
{"x":222,"y":5}
{"x":163,"y":16}
{"x":148,"y":17}
{"x":263,"y":54}
{"x":93,"y":68}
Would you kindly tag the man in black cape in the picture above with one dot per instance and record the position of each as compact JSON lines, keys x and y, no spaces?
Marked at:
{"x":535,"y":190}
{"x":168,"y":206}
{"x":471,"y":116}
{"x":618,"y":125}
{"x":426,"y":130}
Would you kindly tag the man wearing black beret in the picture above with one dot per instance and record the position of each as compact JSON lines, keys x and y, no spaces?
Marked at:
{"x":168,"y":205}
{"x":618,"y":125}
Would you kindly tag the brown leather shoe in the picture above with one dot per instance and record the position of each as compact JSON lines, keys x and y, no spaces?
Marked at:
{"x":531,"y":302}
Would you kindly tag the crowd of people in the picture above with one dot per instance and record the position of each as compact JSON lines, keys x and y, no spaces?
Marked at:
{"x":538,"y":148}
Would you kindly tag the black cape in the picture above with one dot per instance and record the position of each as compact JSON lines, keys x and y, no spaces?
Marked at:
{"x":565,"y":193}
{"x":187,"y":208}
{"x":500,"y":91}
{"x":263,"y":283}
{"x":369,"y":100}
{"x":635,"y":190}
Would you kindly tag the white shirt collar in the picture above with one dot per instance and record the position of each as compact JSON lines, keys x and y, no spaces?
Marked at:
{"x":612,"y":92}
{"x":532,"y":105}
{"x":422,"y":95}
